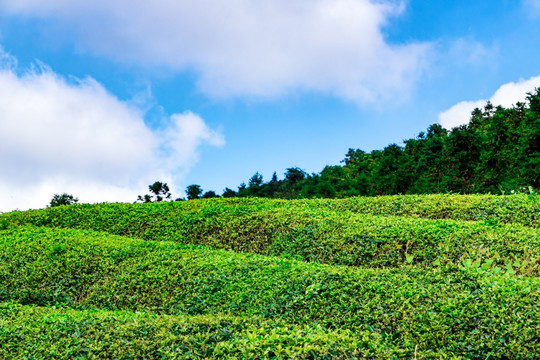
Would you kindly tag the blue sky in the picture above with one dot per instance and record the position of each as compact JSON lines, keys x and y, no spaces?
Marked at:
{"x":100,"y":99}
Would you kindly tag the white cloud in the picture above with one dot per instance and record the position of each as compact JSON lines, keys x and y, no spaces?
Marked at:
{"x":507,"y":95}
{"x":255,"y":48}
{"x":73,"y":136}
{"x":184,"y":135}
{"x":466,"y":51}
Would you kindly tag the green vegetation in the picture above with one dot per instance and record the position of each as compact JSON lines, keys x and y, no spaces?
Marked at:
{"x":193,"y":192}
{"x":329,"y":275}
{"x":158,"y":192}
{"x":324,"y":231}
{"x":64,"y":199}
{"x":497,"y":152}
{"x":517,"y":209}
{"x":426,"y":277}
{"x":38,"y":333}
{"x":447,"y":310}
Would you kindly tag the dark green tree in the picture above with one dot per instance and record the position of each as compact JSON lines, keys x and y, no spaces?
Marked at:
{"x":334,"y":182}
{"x":359,"y":167}
{"x":193,"y":191}
{"x":528,"y":161}
{"x":272,"y":187}
{"x":243,"y":190}
{"x":255,"y":185}
{"x":424,"y":160}
{"x":228,"y":193}
{"x":209,"y":194}
{"x":391,"y":177}
{"x":63,"y":199}
{"x":294,"y":175}
{"x":159,"y":191}
{"x":462,"y":155}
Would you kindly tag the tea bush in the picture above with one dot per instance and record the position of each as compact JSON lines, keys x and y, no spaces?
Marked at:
{"x":312,"y":230}
{"x":442,"y":312}
{"x":417,"y":277}
{"x":30,"y":332}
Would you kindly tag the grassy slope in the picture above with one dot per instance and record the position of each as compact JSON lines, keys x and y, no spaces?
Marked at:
{"x":516,"y":209}
{"x":439,"y":277}
{"x":445,"y":310}
{"x":325,"y":231}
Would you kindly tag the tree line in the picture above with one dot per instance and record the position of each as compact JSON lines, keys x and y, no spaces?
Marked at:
{"x":497,"y":152}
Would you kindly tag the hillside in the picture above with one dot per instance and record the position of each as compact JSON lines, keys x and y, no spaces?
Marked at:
{"x":424,"y":277}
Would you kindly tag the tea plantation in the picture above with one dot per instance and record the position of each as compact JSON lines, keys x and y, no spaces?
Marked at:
{"x":412,"y":277}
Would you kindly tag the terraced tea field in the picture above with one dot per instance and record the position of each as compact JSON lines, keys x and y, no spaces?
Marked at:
{"x":414,"y":277}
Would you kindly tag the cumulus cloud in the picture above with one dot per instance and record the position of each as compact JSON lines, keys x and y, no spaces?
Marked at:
{"x":71,"y":135}
{"x":507,"y":95}
{"x":254,"y":48}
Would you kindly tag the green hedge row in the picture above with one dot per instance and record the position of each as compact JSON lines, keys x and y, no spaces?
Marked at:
{"x":30,"y":332}
{"x":310,"y":232}
{"x":516,"y":209}
{"x":445,"y":311}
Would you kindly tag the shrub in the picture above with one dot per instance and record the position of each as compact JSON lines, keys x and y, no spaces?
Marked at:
{"x":447,"y":311}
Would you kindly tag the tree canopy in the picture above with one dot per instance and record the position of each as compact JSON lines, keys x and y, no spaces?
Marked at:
{"x":498,"y":151}
{"x":159,"y":191}
{"x":193,"y":191}
{"x":63,"y":199}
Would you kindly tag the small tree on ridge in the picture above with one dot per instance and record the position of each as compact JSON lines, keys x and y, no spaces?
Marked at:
{"x":64,"y":199}
{"x":159,"y":192}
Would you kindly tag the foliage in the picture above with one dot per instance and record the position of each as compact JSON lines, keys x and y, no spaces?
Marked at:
{"x":354,"y":231}
{"x":63,"y":199}
{"x":498,"y":151}
{"x":228,"y":193}
{"x":158,"y":192}
{"x":209,"y":195}
{"x":443,"y":312}
{"x":427,"y":277}
{"x":44,"y":332}
{"x":193,"y":191}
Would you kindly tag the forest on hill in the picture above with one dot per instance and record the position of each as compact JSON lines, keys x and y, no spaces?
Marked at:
{"x":497,"y":152}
